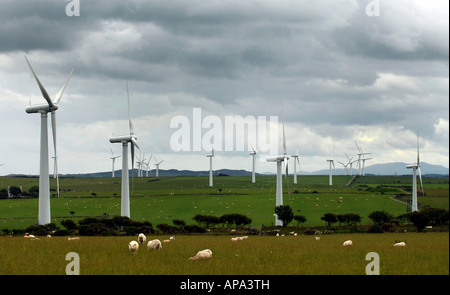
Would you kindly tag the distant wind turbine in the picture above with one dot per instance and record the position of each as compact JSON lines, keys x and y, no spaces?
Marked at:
{"x":113,"y":158}
{"x":210,"y":156}
{"x":44,"y":216}
{"x":296,"y":160}
{"x":415,"y":167}
{"x":157,"y":166}
{"x":124,"y":140}
{"x":331,"y":163}
{"x":253,"y":154}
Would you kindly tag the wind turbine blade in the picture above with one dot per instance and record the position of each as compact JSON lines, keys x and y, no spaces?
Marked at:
{"x":129,"y":111}
{"x":418,"y":149}
{"x":54,"y":148}
{"x":420,"y":177}
{"x":63,"y":87}
{"x":134,"y":142}
{"x":41,"y":87}
{"x":284,"y":140}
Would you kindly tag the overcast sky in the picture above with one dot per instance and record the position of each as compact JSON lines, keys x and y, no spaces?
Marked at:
{"x":333,"y":73}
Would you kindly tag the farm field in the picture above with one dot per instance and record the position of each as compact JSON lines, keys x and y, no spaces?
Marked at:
{"x":160,"y":200}
{"x":424,"y":254}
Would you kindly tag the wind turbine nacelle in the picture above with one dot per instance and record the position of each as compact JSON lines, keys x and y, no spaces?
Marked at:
{"x":120,"y":139}
{"x":277,"y":158}
{"x":40,"y":108}
{"x":412,"y":166}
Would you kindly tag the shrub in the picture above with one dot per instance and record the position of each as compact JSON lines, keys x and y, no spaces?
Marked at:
{"x":284,"y":213}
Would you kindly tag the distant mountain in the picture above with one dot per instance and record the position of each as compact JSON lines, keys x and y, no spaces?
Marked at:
{"x":397,"y":168}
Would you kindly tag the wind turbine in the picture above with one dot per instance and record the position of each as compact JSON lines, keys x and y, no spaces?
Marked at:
{"x":157,"y":166}
{"x":44,"y":215}
{"x":350,"y":162}
{"x":124,"y":140}
{"x":253,"y":154}
{"x":416,"y":167}
{"x":361,"y":153}
{"x":331,"y":163}
{"x":148,"y":165}
{"x":113,"y":158}
{"x":296,"y":160}
{"x":279,"y":191}
{"x":210,"y":156}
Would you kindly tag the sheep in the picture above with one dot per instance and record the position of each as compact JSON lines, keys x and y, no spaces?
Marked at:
{"x":28,"y":236}
{"x":172,"y":238}
{"x":348,"y":243}
{"x":133,"y":246}
{"x":166,"y":241}
{"x":204,"y":254}
{"x":317,"y":238}
{"x":400,"y":244}
{"x":154,"y":245}
{"x":74,"y":238}
{"x":142,"y":238}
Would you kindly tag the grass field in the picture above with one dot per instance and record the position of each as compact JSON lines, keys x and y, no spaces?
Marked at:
{"x":166,"y":198}
{"x":425,"y":253}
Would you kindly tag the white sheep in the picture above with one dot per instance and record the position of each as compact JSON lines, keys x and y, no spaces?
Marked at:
{"x":348,"y":243}
{"x":317,"y":238}
{"x":133,"y":246}
{"x":204,"y":254}
{"x":400,"y":244}
{"x":74,"y":238}
{"x":166,"y":241}
{"x":154,"y":245}
{"x":142,"y":238}
{"x":172,"y":238}
{"x":28,"y":236}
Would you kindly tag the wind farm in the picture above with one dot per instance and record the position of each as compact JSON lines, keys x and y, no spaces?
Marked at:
{"x":217,"y":138}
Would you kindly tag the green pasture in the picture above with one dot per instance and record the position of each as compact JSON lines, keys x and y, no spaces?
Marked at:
{"x":160,"y":200}
{"x":424,"y":254}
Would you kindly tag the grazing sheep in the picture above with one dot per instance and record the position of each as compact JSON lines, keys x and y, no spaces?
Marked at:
{"x":204,"y":254}
{"x":133,"y":246}
{"x":172,"y":238}
{"x":317,"y":238}
{"x":142,"y":238}
{"x":348,"y":243}
{"x":74,"y":238}
{"x":154,"y":245}
{"x":28,"y":236}
{"x":166,"y":241}
{"x":235,"y":239}
{"x":400,"y":244}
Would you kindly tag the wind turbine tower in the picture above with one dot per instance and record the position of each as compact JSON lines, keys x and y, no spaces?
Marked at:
{"x":331,"y":171}
{"x":113,"y":158}
{"x":253,"y":154}
{"x":124,"y":140}
{"x":415,"y":167}
{"x":296,"y":160}
{"x":157,"y":166}
{"x":210,"y":156}
{"x":279,"y":188}
{"x":44,"y":216}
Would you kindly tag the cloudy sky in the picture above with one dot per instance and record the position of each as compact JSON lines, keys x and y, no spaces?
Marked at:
{"x":327,"y":69}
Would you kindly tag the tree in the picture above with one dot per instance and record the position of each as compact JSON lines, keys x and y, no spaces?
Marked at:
{"x":418,"y":219}
{"x":69,"y":224}
{"x":299,"y":219}
{"x":352,"y":219}
{"x":329,"y":218}
{"x":284,"y":213}
{"x":380,"y":217}
{"x":436,"y":216}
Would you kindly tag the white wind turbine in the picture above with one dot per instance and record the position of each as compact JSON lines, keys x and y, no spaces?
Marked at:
{"x":113,"y":158}
{"x":210,"y":156}
{"x":331,"y":163}
{"x":415,"y":167}
{"x":350,"y":162}
{"x":44,"y":216}
{"x":361,"y":153}
{"x":124,"y":140}
{"x":296,"y":160}
{"x":253,"y":154}
{"x":148,"y":165}
{"x":157,"y":166}
{"x":279,"y":189}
